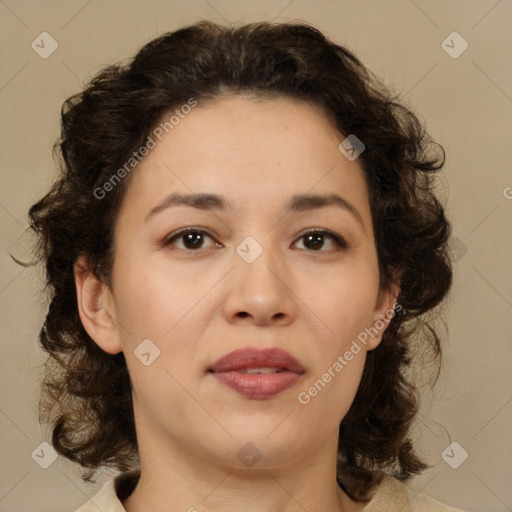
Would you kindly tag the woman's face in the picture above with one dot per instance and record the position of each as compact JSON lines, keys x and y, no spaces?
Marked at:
{"x":246,"y":275}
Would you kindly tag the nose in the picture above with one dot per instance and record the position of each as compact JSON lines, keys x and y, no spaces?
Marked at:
{"x":260,"y":293}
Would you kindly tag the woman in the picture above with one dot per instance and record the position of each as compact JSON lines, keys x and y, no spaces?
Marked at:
{"x":241,"y":249}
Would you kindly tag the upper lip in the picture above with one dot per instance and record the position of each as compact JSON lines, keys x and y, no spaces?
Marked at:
{"x":257,"y":358}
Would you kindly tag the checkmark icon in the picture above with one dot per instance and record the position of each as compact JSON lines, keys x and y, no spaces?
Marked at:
{"x":249,"y":455}
{"x":249,"y":249}
{"x":454,"y":45}
{"x":44,"y":45}
{"x":454,"y":455}
{"x":44,"y":455}
{"x":146,"y":352}
{"x":450,"y":454}
{"x":351,"y":147}
{"x":350,"y":152}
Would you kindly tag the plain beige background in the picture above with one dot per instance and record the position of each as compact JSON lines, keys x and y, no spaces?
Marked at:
{"x":467,"y":104}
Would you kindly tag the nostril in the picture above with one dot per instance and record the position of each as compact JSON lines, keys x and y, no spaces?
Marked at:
{"x":243,"y":314}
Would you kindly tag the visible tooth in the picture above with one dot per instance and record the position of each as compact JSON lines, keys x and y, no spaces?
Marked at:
{"x":268,"y":369}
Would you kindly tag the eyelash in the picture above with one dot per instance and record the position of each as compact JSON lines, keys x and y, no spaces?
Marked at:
{"x":338,"y":240}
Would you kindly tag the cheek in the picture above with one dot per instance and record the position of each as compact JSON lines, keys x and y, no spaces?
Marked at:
{"x":152,"y":302}
{"x":170,"y":307}
{"x":328,"y":394}
{"x":346,"y":307}
{"x":346,"y":303}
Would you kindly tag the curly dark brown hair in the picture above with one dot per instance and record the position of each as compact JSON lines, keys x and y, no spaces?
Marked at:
{"x":86,"y":392}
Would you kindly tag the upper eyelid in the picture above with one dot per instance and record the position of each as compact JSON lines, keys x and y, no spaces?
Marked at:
{"x":329,"y":233}
{"x":339,"y":240}
{"x":183,"y":231}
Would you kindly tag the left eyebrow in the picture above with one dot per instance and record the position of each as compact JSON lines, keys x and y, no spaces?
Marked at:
{"x":297,"y":203}
{"x":305,"y":202}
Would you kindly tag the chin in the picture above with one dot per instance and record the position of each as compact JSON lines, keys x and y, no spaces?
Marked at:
{"x":266,"y":444}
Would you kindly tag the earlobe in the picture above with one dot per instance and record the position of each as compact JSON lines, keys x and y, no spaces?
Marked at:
{"x":94,"y":299}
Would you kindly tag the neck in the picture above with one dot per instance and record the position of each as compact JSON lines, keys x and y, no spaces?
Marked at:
{"x":173,"y":479}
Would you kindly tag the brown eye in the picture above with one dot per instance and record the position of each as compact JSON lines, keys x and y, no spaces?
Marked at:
{"x":192,"y":239}
{"x":315,"y":240}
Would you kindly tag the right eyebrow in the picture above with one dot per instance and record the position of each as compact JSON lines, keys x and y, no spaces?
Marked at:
{"x":201,"y":201}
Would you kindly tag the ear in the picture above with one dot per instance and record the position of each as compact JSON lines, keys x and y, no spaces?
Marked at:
{"x":383,"y":314}
{"x":95,"y":306}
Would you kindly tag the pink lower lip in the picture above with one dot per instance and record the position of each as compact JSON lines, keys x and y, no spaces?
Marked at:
{"x":258,"y":386}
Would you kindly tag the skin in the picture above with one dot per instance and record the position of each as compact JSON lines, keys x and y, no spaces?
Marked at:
{"x":197,"y":305}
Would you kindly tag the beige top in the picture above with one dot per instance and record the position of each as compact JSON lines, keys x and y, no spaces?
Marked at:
{"x":390,"y":496}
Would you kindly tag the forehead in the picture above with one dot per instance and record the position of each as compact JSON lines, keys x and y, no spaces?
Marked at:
{"x":255,"y":151}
